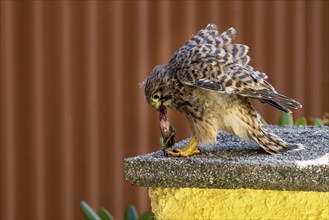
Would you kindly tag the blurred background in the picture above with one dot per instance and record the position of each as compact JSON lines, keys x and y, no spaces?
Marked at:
{"x":71,"y":108}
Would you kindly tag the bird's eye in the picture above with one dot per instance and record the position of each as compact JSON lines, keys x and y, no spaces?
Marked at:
{"x":156,"y":97}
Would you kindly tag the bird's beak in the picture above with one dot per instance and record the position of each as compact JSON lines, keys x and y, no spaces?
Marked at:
{"x":157,"y":105}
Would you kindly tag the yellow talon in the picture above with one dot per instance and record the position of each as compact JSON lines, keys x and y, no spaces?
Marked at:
{"x":190,"y":149}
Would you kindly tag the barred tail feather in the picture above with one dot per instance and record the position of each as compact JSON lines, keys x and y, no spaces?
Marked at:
{"x":270,"y":142}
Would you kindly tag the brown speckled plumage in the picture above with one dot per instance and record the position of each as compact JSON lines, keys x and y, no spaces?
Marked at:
{"x":210,"y":80}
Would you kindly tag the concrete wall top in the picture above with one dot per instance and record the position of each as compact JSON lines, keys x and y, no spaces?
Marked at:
{"x":233,"y":163}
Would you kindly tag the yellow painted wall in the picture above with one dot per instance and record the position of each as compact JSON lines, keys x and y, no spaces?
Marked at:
{"x":193,"y":203}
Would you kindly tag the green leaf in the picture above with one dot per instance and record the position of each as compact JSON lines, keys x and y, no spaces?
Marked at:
{"x":286,"y":119}
{"x":147,"y":216}
{"x":318,"y":122}
{"x":104,"y":214}
{"x":131,"y":213}
{"x":262,"y":120}
{"x":301,"y":121}
{"x":88,"y":211}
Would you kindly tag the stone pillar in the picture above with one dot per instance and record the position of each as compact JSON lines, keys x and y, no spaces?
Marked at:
{"x":237,"y":180}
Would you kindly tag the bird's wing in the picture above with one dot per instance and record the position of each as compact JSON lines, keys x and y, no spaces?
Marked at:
{"x":208,"y":43}
{"x":211,"y":61}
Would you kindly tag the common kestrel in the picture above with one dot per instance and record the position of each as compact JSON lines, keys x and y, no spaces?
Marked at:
{"x":210,"y":81}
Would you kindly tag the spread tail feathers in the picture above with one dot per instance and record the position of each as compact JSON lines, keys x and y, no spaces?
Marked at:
{"x":270,"y":142}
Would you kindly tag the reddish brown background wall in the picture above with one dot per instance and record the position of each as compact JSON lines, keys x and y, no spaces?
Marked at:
{"x":71,"y":107}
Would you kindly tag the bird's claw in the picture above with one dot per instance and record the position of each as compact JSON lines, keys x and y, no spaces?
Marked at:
{"x":190,"y":149}
{"x":176,"y":152}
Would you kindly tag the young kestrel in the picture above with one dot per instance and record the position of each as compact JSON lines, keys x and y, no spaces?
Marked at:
{"x":210,"y":81}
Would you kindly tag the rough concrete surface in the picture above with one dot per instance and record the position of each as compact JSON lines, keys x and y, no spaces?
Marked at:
{"x":233,"y":163}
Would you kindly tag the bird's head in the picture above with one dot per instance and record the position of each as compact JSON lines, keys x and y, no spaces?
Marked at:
{"x":157,"y":87}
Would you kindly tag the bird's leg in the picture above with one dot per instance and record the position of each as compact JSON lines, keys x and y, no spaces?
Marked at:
{"x":189,"y":149}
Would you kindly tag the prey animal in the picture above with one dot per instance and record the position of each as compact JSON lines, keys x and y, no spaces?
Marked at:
{"x":166,"y":129}
{"x":209,"y":79}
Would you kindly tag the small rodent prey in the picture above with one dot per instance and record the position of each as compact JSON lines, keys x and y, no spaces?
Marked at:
{"x":167,"y":131}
